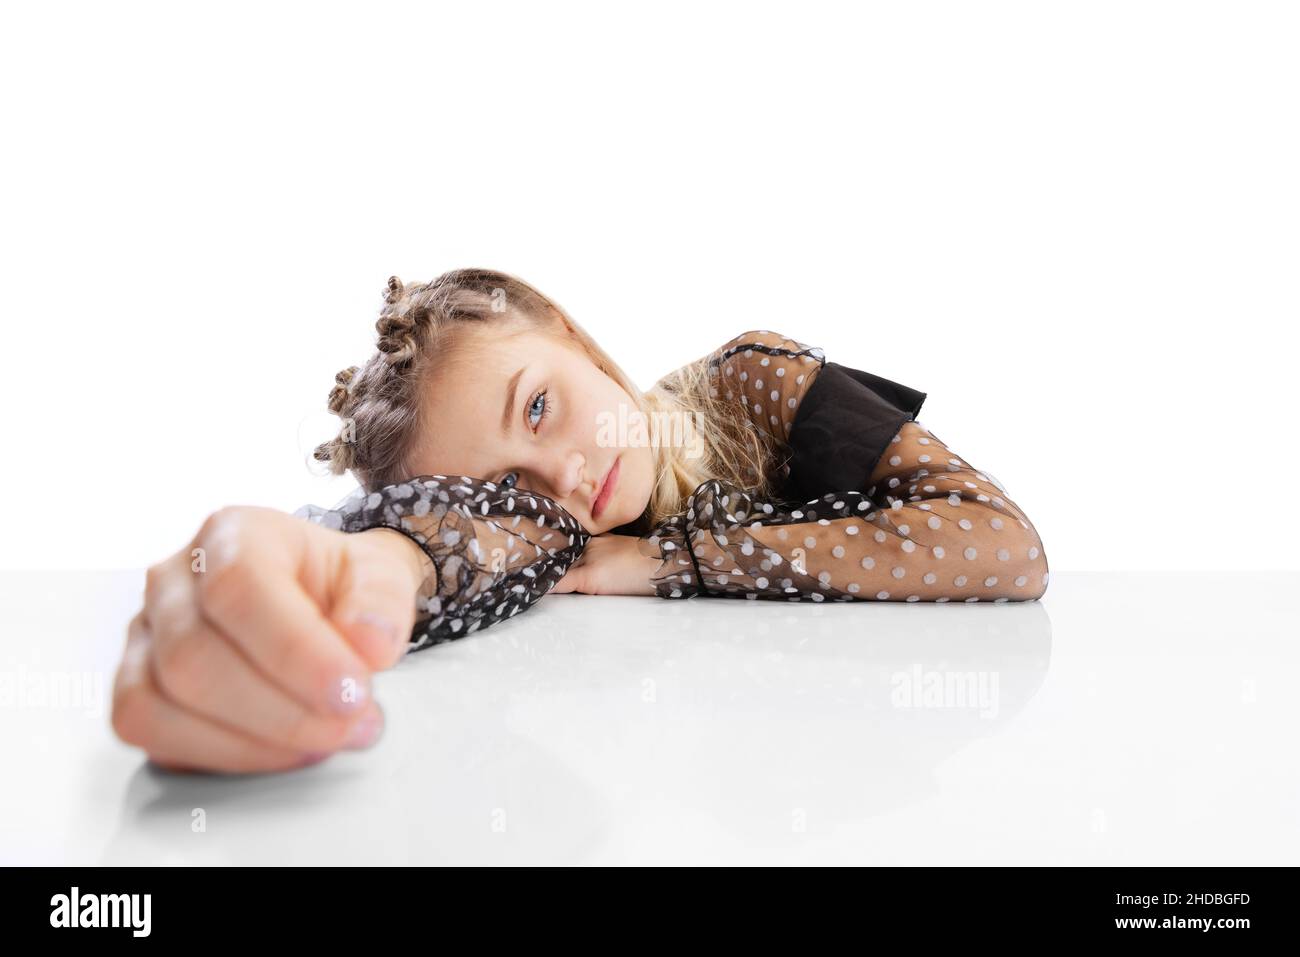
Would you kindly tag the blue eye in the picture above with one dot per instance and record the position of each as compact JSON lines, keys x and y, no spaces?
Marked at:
{"x":538,"y":409}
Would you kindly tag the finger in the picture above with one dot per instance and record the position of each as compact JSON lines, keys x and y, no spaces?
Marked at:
{"x":197,"y":668}
{"x":374,"y":607}
{"x":251,"y":596}
{"x":176,"y":738}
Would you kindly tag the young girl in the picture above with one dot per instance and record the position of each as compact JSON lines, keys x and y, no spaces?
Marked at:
{"x":502,"y":455}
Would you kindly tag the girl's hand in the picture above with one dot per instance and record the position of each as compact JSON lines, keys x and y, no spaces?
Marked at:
{"x":257,"y":640}
{"x":610,"y":565}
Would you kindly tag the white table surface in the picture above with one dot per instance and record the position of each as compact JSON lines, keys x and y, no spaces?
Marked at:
{"x":1126,"y":718}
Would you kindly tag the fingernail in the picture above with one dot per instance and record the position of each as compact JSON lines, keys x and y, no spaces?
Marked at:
{"x":365,"y":732}
{"x":349,"y":694}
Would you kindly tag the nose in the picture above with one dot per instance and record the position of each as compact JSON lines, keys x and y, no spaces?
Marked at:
{"x":564,"y":475}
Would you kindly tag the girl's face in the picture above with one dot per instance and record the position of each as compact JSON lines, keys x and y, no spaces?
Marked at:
{"x":537,"y":406}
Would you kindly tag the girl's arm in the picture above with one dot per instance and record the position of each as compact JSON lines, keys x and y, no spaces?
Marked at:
{"x":914,"y":522}
{"x":485,"y":553}
{"x":929,"y":527}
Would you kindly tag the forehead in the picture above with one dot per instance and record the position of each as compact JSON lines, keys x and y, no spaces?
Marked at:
{"x":464,"y":396}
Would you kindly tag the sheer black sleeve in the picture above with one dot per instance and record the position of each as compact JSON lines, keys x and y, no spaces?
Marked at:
{"x":489,"y":552}
{"x":957,"y":537}
{"x":872,"y":506}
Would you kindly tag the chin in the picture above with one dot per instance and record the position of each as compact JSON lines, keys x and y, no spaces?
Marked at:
{"x":609,"y":520}
{"x":615,"y":516}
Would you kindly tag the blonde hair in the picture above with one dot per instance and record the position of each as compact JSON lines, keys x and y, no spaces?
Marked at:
{"x":380,"y":405}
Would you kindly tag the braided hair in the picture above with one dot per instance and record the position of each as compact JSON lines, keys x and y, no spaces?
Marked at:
{"x":381,"y":408}
{"x":379,"y":402}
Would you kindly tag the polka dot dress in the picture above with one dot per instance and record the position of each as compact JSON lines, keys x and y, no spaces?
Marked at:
{"x":923,"y":524}
{"x":490,"y":551}
{"x":891,"y":512}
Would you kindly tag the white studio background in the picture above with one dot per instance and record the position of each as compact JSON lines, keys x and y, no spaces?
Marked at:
{"x":1073,"y":224}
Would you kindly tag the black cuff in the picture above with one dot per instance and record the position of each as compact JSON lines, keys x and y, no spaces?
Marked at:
{"x":845,"y":421}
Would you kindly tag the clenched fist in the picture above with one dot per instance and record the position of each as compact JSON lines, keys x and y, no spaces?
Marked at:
{"x":257,"y":641}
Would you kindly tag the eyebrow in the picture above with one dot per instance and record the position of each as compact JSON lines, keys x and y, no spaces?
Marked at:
{"x":511,"y":389}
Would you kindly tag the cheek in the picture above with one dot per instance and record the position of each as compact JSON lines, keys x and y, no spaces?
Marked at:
{"x":601,"y":420}
{"x":643,"y":459}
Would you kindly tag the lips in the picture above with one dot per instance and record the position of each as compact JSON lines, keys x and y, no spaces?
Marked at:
{"x":606,"y":489}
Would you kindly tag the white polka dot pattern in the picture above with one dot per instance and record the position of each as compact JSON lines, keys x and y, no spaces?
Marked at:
{"x":933,"y":529}
{"x":929,"y":527}
{"x":489,"y":552}
{"x":767,"y":373}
